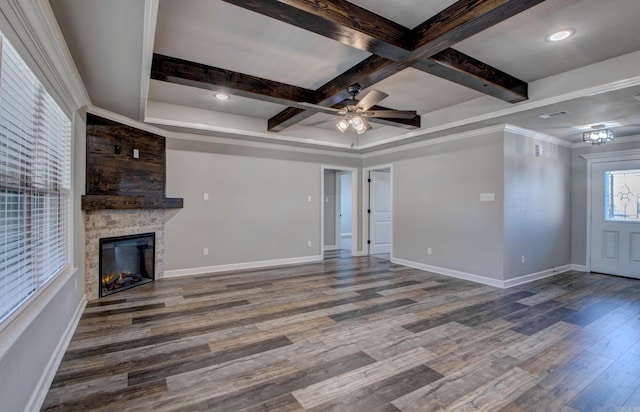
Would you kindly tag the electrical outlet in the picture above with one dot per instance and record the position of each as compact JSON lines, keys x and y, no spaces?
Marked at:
{"x":205,"y":251}
{"x":205,"y":196}
{"x":522,"y":259}
{"x":308,"y":243}
{"x":429,"y":251}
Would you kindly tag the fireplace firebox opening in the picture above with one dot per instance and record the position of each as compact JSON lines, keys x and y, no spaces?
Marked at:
{"x":125,"y":262}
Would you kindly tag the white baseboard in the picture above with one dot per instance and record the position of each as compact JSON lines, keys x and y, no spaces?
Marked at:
{"x":240,"y":266}
{"x":483,"y":279}
{"x":359,"y":253}
{"x":536,"y":276}
{"x":579,"y":268}
{"x":42,"y":388}
{"x":345,"y":234}
{"x":330,"y":247}
{"x":449,"y":272}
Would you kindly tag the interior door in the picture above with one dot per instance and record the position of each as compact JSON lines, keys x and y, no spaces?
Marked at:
{"x":615,"y":219}
{"x":380,"y":216}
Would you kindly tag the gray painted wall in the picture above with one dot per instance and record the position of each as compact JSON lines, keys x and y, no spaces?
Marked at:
{"x":329,"y":207}
{"x":257,"y":209}
{"x":537,"y":213}
{"x":436,"y":204}
{"x":579,"y":195}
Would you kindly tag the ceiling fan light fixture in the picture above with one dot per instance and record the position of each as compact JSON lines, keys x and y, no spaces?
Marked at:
{"x":357,"y":122}
{"x":342,"y":125}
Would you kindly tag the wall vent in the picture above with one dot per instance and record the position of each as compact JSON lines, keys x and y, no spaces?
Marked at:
{"x":554,"y":114}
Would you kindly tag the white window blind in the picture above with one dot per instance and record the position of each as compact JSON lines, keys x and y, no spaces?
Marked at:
{"x":35,"y":138}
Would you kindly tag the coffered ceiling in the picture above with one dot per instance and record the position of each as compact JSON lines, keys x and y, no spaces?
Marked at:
{"x":460,"y":65}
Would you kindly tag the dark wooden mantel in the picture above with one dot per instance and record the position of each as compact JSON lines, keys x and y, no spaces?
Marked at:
{"x":100,"y":202}
{"x":118,"y":179}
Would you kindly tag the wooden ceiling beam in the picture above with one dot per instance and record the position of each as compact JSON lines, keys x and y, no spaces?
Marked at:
{"x":425,"y":48}
{"x":184,"y":72}
{"x":338,"y":20}
{"x":367,"y":73}
{"x":462,"y":20}
{"x":464,"y":70}
{"x":179,"y":71}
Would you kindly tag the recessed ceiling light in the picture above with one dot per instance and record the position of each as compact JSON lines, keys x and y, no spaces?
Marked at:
{"x":560,"y":35}
{"x":222,"y":96}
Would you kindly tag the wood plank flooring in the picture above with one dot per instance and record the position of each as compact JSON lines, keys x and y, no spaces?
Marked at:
{"x":355,"y":334}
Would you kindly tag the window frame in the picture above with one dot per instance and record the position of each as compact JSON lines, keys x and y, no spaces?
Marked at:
{"x":36,"y":187}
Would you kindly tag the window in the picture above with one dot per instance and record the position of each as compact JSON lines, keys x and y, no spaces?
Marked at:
{"x":35,"y":138}
{"x":621,"y":192}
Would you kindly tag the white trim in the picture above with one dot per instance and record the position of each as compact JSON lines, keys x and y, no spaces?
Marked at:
{"x":243,"y":132}
{"x":359,"y":253}
{"x":214,"y":139}
{"x":434,"y":141}
{"x":36,"y":31}
{"x":240,"y":266}
{"x":536,"y":276}
{"x":602,"y":157}
{"x":15,"y":325}
{"x":345,"y":234}
{"x":503,"y":284}
{"x":617,"y":156}
{"x":579,"y":268}
{"x":42,"y":387}
{"x":330,"y":247}
{"x":450,"y":272}
{"x":148,"y":37}
{"x":354,"y":202}
{"x":471,"y":134}
{"x":543,"y":137}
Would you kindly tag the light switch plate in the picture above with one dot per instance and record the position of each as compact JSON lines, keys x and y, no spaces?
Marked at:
{"x":487,"y":197}
{"x":136,"y":153}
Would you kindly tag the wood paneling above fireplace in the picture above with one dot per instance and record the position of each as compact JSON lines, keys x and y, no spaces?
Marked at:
{"x":126,"y":168}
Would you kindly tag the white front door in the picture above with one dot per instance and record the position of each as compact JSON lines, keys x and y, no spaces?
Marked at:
{"x":615,"y":218}
{"x":380,"y":216}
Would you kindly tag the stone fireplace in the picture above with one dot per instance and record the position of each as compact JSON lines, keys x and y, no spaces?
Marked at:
{"x":125,"y":196}
{"x":101,"y":224}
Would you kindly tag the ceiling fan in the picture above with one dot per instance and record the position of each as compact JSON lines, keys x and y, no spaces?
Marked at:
{"x":354,"y":113}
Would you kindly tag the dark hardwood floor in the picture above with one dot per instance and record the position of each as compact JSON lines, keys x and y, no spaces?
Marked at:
{"x":356,"y":334}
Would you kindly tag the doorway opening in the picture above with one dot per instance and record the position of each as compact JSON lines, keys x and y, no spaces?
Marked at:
{"x":377,"y":230}
{"x":338,"y":209}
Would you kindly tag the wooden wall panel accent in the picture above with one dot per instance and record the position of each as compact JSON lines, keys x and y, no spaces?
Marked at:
{"x":119,"y":174}
{"x":117,"y":180}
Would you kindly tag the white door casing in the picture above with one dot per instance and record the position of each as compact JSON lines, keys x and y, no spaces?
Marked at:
{"x":615,"y":245}
{"x":380,"y":216}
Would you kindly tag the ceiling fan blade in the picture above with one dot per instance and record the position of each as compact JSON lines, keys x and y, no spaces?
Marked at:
{"x":370,"y":99}
{"x":323,"y":109}
{"x":392,"y":114}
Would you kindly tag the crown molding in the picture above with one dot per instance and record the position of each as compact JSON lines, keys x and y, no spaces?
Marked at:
{"x":32,"y":29}
{"x":213,"y":139}
{"x":538,"y":136}
{"x":149,"y":34}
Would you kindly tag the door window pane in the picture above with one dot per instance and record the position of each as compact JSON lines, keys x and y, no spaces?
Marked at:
{"x":621,"y":195}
